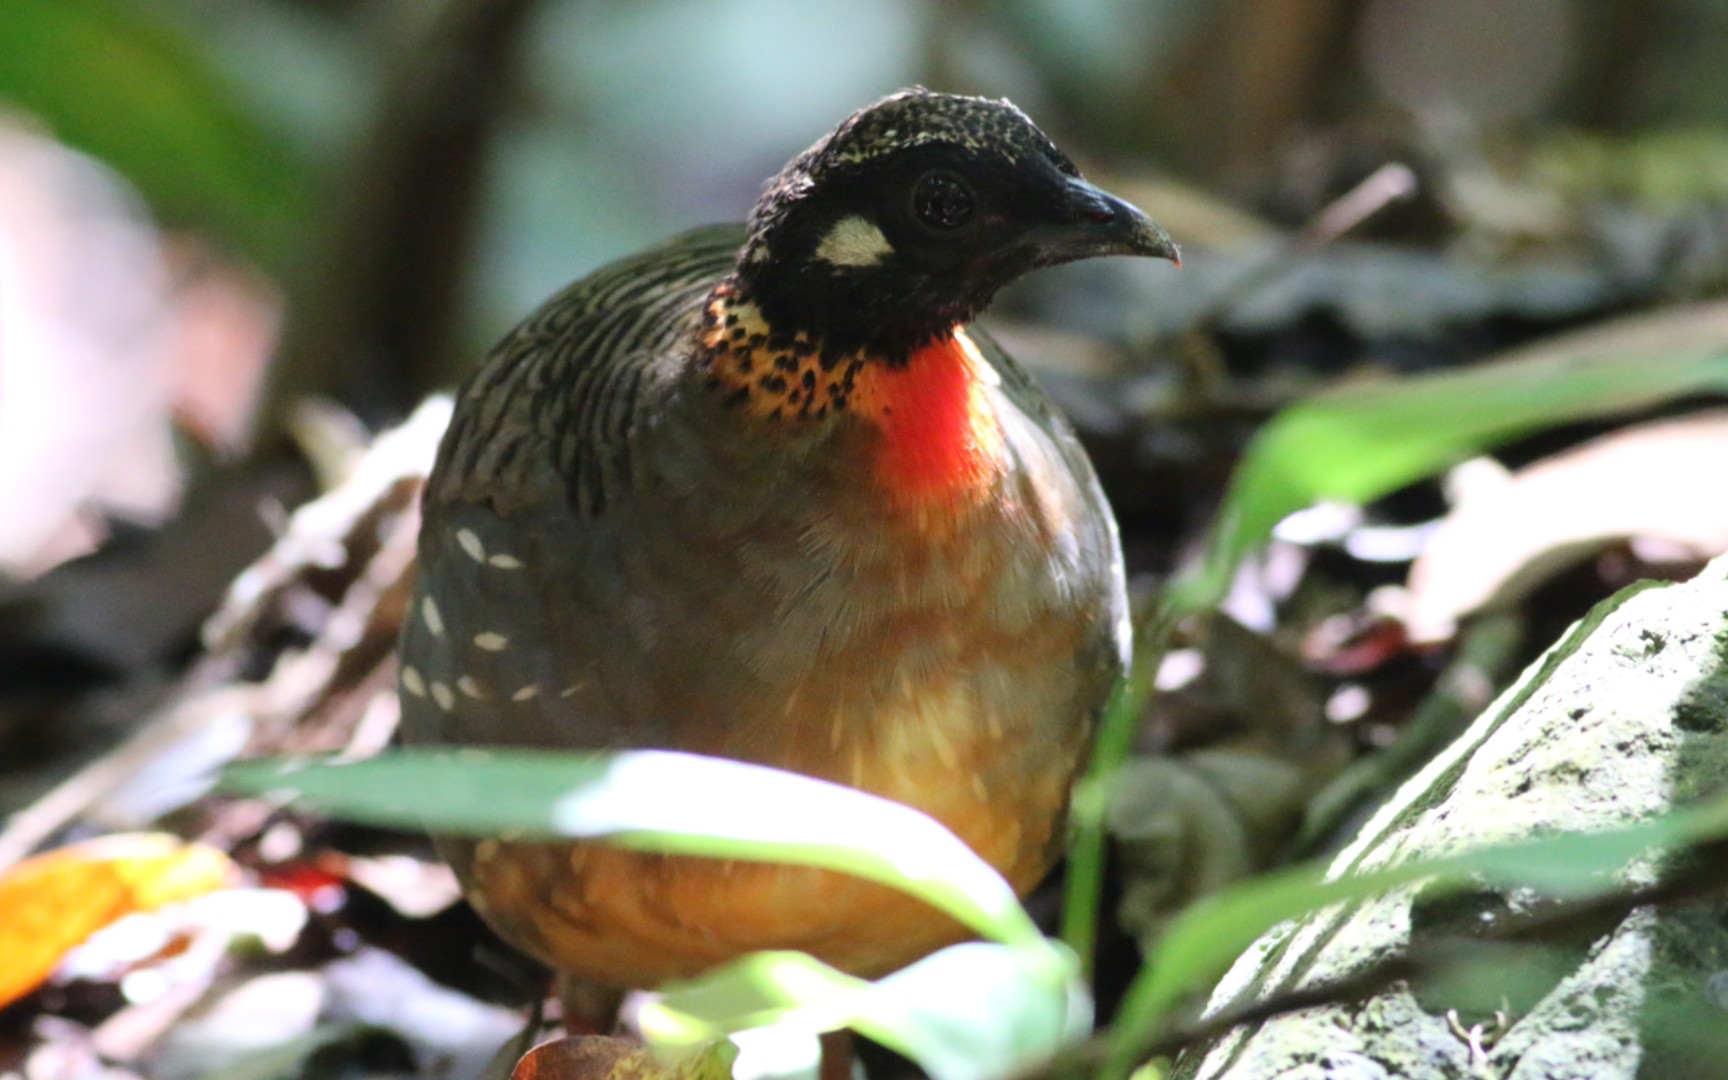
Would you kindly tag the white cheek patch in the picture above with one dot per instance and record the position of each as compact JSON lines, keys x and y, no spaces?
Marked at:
{"x":853,"y":242}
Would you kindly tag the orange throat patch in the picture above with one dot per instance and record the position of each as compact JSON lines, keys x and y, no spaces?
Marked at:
{"x":940,"y":443}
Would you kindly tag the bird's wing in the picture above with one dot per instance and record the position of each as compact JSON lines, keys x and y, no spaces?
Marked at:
{"x":555,"y":403}
{"x":529,"y":510}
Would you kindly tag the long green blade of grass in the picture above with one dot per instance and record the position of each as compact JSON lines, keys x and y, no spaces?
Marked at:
{"x":672,"y":803}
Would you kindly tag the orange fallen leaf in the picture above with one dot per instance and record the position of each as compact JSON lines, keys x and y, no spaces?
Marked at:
{"x":53,"y":902}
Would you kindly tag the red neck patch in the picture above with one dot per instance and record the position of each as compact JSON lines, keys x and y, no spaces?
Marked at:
{"x":940,"y":441}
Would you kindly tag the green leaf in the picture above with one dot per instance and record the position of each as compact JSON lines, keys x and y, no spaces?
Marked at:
{"x":661,"y":801}
{"x":110,"y":79}
{"x":969,"y":1012}
{"x":976,"y":1011}
{"x":1361,"y":441}
{"x":773,"y":987}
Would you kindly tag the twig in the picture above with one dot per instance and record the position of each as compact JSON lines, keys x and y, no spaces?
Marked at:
{"x":1390,"y":183}
{"x":31,"y":827}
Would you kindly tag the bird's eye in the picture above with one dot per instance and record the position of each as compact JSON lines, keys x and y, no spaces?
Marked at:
{"x":942,"y":200}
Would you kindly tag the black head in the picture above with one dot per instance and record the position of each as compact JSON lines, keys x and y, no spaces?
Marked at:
{"x":907,"y":219}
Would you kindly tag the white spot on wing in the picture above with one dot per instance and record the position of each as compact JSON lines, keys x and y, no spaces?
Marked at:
{"x":444,"y":696}
{"x":434,"y":620}
{"x":853,"y":241}
{"x":505,"y":562}
{"x":492,"y":641}
{"x":412,"y":681}
{"x":470,"y":542}
{"x":471,"y":687}
{"x":526,"y":692}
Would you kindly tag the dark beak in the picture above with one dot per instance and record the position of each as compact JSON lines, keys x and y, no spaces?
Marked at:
{"x":1089,"y":222}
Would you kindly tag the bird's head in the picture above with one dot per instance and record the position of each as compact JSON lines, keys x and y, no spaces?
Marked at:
{"x":906,"y":220}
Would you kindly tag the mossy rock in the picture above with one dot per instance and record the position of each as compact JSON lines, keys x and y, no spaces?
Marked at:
{"x":1623,"y":720}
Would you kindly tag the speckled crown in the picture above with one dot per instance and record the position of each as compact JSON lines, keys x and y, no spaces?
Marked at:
{"x":916,"y":117}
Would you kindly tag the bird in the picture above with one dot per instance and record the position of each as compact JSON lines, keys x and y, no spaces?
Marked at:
{"x":765,"y":492}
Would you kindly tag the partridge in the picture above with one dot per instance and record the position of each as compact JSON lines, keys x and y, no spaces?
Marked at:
{"x":766,"y":493}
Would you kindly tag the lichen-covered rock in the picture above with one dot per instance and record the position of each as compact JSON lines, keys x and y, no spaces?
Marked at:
{"x":1623,"y":720}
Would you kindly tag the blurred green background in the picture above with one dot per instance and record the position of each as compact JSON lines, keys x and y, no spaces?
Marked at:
{"x":416,"y":175}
